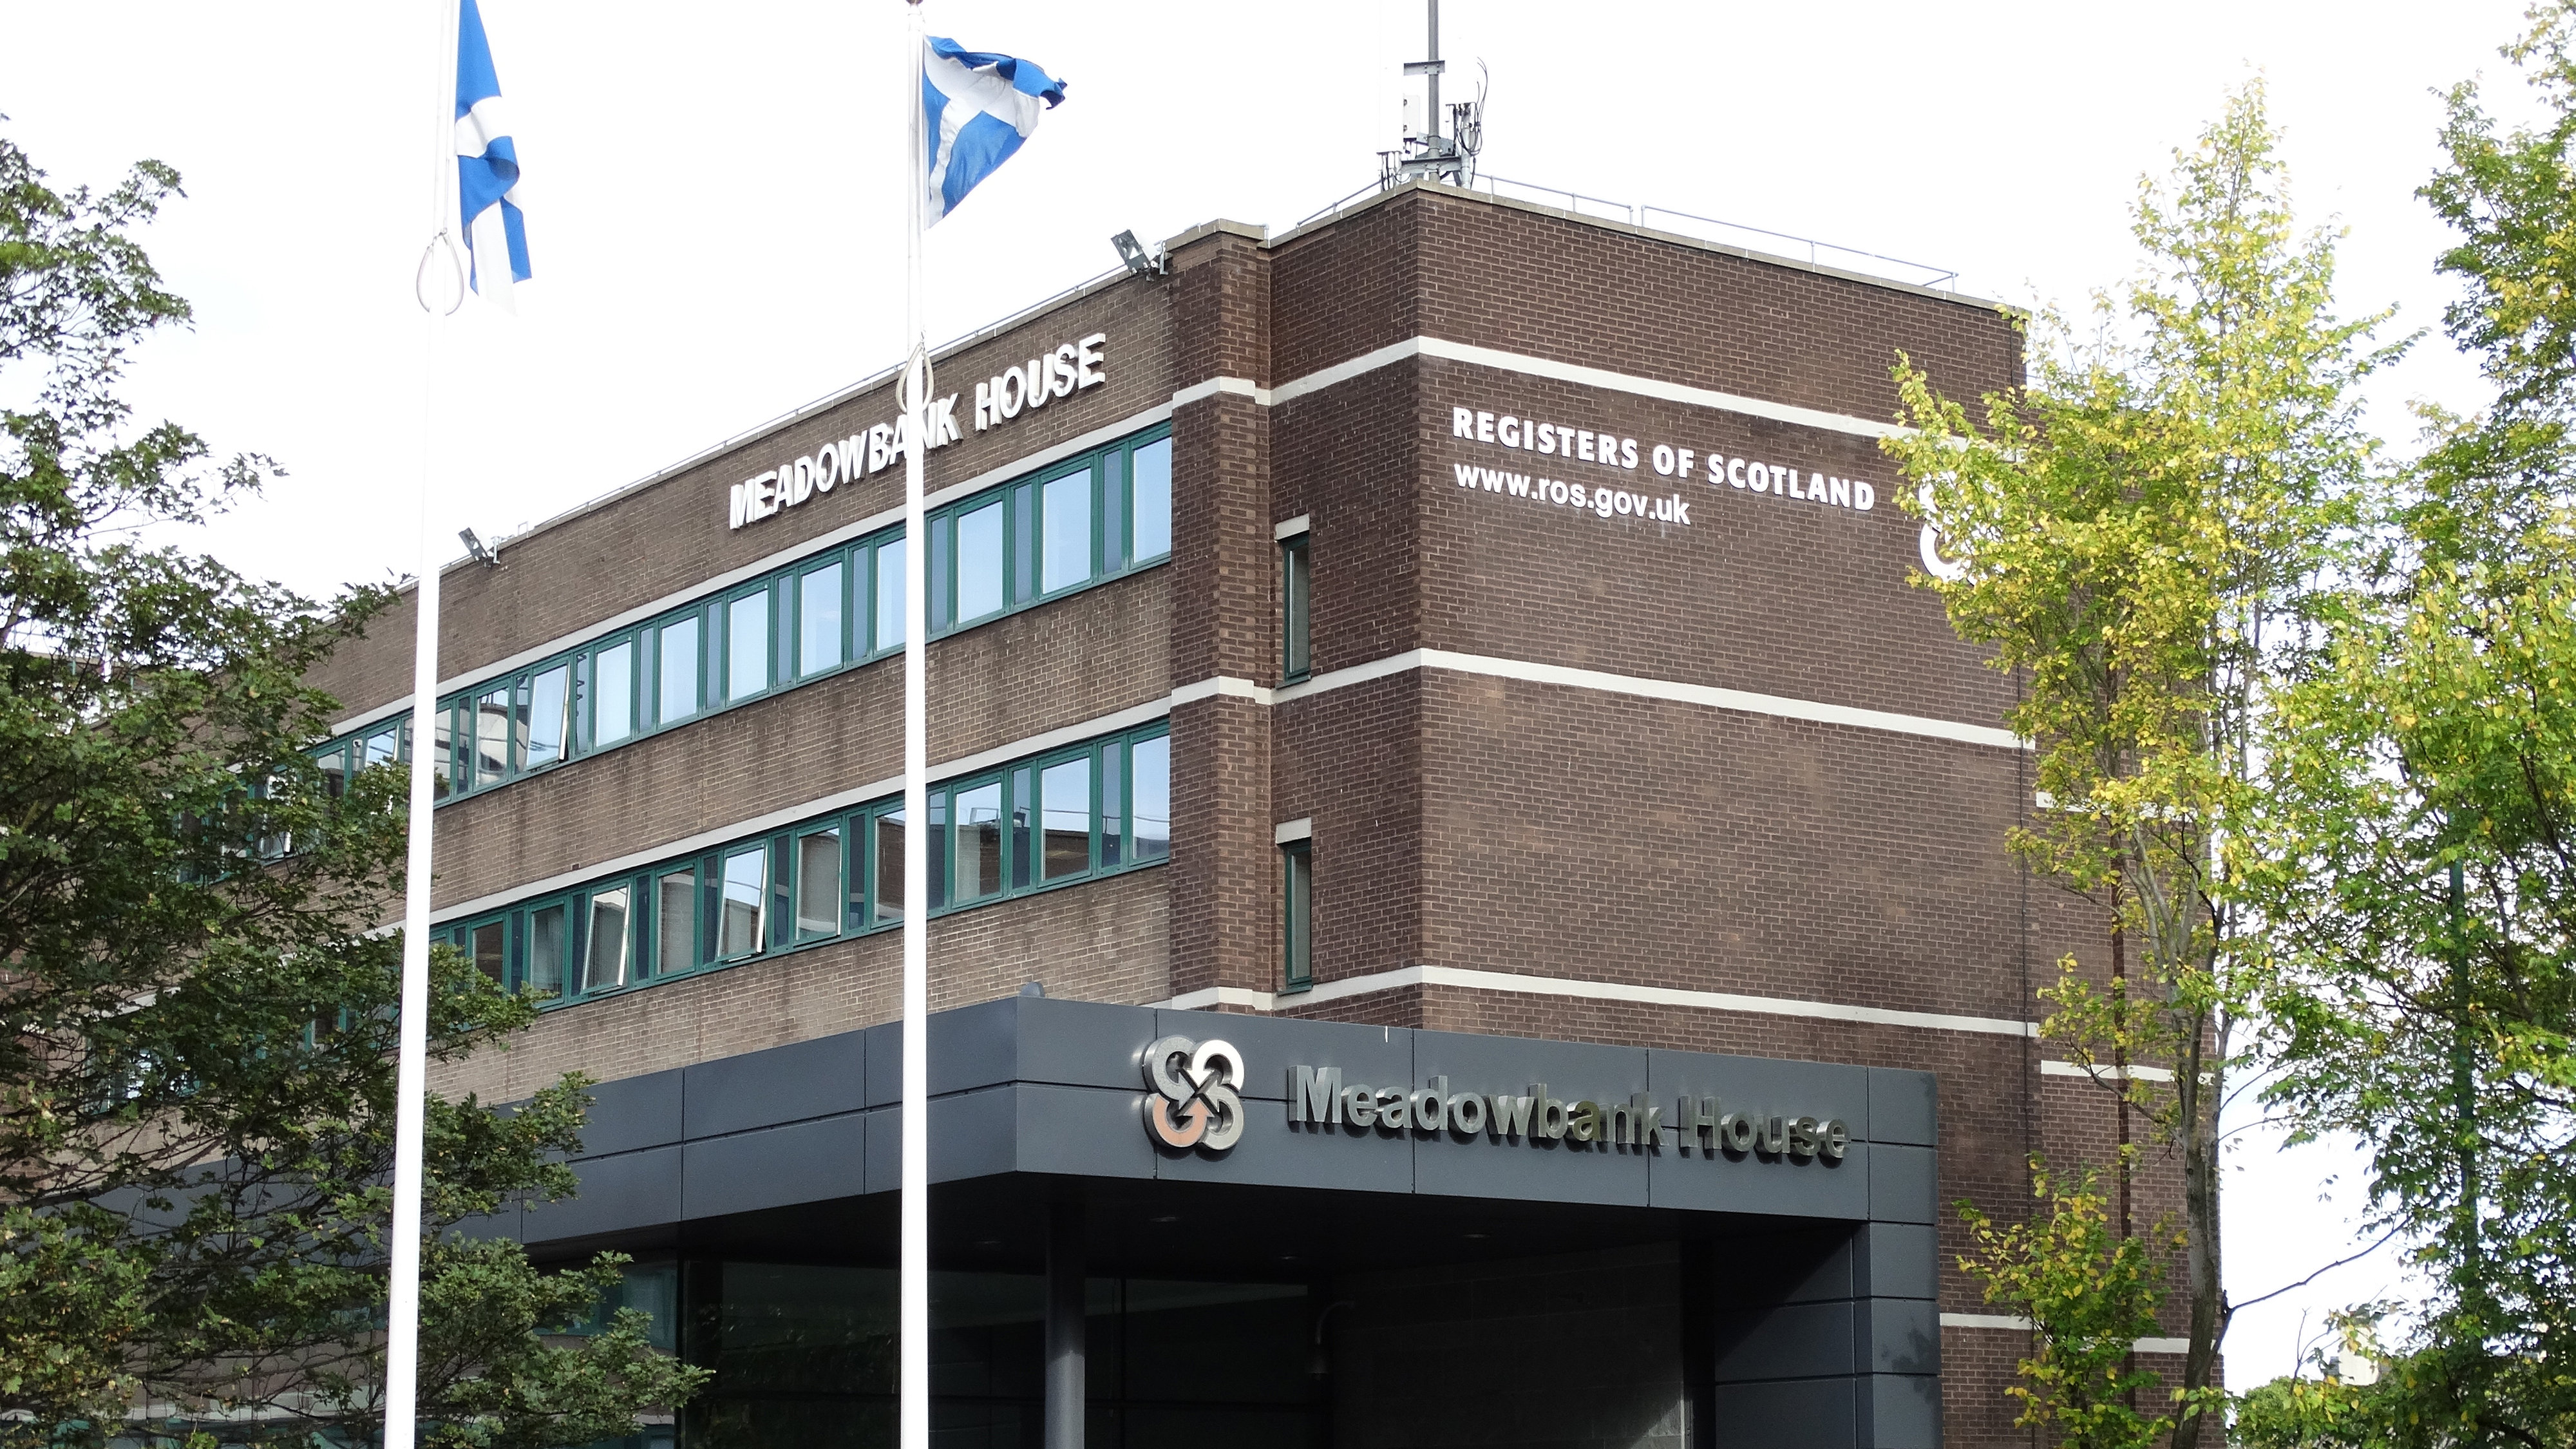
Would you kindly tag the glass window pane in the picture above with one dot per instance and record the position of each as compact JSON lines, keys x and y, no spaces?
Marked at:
{"x":1024,"y":834}
{"x":746,"y":892}
{"x":818,"y":619}
{"x":1153,"y":500}
{"x":889,"y":607}
{"x":442,"y":755}
{"x":487,"y":944}
{"x":675,"y":928}
{"x":604,"y":965}
{"x":979,"y":841}
{"x":1297,"y":952}
{"x":1113,"y":806}
{"x":1297,"y":654}
{"x":936,"y":828}
{"x":1113,"y":511}
{"x":678,"y":668}
{"x":547,"y":939}
{"x":1068,"y":531}
{"x":492,"y":730}
{"x":379,"y":749}
{"x":1067,"y":787}
{"x":335,"y":771}
{"x":889,"y":883}
{"x":747,"y":645}
{"x":818,"y":883}
{"x":1152,"y":768}
{"x":612,"y":693}
{"x":1024,"y":543}
{"x":943,"y":572}
{"x":979,"y":563}
{"x":549,"y":715}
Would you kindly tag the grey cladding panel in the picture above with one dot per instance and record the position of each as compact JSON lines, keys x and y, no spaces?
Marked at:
{"x":1899,"y":1260}
{"x":782,"y":1084}
{"x":632,"y":1112}
{"x":1764,"y":1087}
{"x":1080,"y":1131}
{"x":1809,"y":1413}
{"x":1274,"y":1154}
{"x":1081,"y":1043}
{"x":1752,"y":1183}
{"x":1379,"y":1056}
{"x":1902,"y":1184}
{"x":1798,"y":1341}
{"x":1901,"y":1411}
{"x":1903,"y":1336}
{"x":618,"y":1194}
{"x":804,"y":1162}
{"x":1904,"y":1107}
{"x":1544,"y":1171}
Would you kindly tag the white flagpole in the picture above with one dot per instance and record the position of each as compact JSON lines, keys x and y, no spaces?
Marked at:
{"x":411,"y":1075}
{"x":913,"y":1379}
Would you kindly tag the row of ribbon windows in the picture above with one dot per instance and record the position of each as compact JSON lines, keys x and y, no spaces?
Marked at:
{"x":1051,"y":820}
{"x":1081,"y":522}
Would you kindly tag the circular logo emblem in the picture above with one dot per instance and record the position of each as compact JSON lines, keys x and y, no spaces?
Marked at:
{"x":1194,"y":1103}
{"x":1936,"y":562}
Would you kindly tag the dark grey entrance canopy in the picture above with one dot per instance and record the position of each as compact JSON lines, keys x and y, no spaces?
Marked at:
{"x":1036,"y":1085}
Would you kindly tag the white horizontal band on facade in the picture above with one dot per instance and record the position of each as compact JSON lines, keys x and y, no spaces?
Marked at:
{"x":1474,"y":980}
{"x":1576,"y":373}
{"x":883,"y":518}
{"x":2014,"y":1323}
{"x":2101,"y":1073}
{"x":1526,"y":671}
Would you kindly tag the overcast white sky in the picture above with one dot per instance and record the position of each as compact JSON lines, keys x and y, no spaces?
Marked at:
{"x":716,"y":222}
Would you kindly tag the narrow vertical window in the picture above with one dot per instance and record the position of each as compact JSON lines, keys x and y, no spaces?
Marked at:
{"x":1152,"y":797}
{"x":1024,"y":543}
{"x":979,"y":841}
{"x":1296,"y":651}
{"x":1067,"y":787}
{"x":549,"y":716}
{"x":746,"y":895}
{"x":818,"y":884}
{"x":818,"y":619}
{"x":979,"y":563}
{"x":1067,"y":559}
{"x":1113,"y":511}
{"x":549,"y":938}
{"x":747,"y":645}
{"x":612,"y":693}
{"x":1113,"y":805}
{"x":1024,"y":830}
{"x":1153,"y":499}
{"x":492,"y":730}
{"x":677,"y":669}
{"x":335,"y":772}
{"x":1297,"y":967}
{"x":380,"y":748}
{"x":489,"y":945}
{"x":603,"y":963}
{"x":889,"y":603}
{"x":889,"y":861}
{"x":936,"y":827}
{"x":943,"y":572}
{"x":675,"y":922}
{"x":443,"y":756}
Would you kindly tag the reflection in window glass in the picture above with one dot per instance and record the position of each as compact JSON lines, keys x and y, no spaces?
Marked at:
{"x":1113,"y":510}
{"x":549,"y":715}
{"x":979,"y":562}
{"x":1113,"y":805}
{"x":1297,"y":949}
{"x":1067,"y":791}
{"x":818,"y":619}
{"x":747,"y":645}
{"x":491,"y":737}
{"x":889,"y":848}
{"x":378,"y":750}
{"x":678,"y":668}
{"x":936,"y":828}
{"x":1024,"y":836}
{"x":889,"y":609}
{"x":612,"y":710}
{"x":675,"y":927}
{"x":1068,"y":532}
{"x":1153,"y":494}
{"x":818,"y":883}
{"x":746,"y":893}
{"x":335,"y":773}
{"x":604,"y":964}
{"x":979,"y":841}
{"x":1295,"y":634}
{"x":1152,"y":769}
{"x":491,"y":956}
{"x":547,"y":939}
{"x":442,"y":751}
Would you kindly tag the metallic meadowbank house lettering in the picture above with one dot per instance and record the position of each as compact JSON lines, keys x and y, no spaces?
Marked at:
{"x":1609,"y":450}
{"x":1194,"y":1103}
{"x":1317,"y":1099}
{"x":1068,"y":369}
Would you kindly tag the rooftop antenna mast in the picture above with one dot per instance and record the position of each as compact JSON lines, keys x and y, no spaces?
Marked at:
{"x":1450,"y":158}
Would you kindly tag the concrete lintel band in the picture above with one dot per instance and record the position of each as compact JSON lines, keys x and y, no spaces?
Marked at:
{"x":2013,"y":1323}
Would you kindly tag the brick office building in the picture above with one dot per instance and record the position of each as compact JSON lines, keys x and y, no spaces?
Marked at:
{"x":1456,"y":645}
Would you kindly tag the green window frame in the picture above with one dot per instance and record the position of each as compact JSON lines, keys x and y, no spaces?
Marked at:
{"x":1297,"y":915}
{"x":1296,"y":624}
{"x":497,"y":730}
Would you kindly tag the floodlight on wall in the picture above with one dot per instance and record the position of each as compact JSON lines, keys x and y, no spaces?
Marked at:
{"x":475,"y":549}
{"x":1142,"y":262}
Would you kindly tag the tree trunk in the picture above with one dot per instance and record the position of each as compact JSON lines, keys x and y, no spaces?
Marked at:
{"x":2200,"y":1146}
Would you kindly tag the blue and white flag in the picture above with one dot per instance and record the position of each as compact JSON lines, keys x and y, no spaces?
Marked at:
{"x":976,"y":110}
{"x":487,"y":168}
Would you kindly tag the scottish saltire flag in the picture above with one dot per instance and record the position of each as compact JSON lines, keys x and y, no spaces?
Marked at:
{"x":977,"y":108}
{"x":487,"y":167}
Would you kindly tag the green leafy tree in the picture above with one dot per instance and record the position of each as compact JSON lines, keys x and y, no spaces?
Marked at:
{"x":2090,"y":1291}
{"x":196,"y":1077}
{"x":2140,"y":536}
